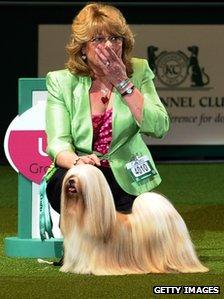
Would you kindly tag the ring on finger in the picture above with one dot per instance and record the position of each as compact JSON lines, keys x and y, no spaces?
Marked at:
{"x":107,"y":63}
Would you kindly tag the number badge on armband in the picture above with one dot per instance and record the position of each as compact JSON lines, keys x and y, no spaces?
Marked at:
{"x":140,"y":168}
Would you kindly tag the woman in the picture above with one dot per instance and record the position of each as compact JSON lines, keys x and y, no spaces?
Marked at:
{"x":98,"y":107}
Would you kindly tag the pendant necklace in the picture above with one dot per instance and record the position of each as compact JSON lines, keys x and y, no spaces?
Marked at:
{"x":106,"y":95}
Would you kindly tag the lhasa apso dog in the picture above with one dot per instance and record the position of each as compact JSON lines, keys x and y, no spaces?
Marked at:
{"x":101,"y":241}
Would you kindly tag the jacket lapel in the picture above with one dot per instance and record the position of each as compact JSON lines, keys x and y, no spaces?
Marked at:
{"x":123,"y":125}
{"x":82,"y":122}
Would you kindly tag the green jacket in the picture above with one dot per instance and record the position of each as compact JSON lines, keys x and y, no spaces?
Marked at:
{"x":69,"y":125}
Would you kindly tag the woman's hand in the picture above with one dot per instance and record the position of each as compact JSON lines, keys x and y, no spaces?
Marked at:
{"x":89,"y":159}
{"x":67,"y":159}
{"x":111,"y":64}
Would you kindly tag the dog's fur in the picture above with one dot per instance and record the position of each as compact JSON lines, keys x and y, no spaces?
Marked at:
{"x":101,"y":241}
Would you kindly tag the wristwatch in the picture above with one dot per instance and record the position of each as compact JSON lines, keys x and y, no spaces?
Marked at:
{"x":128,"y":91}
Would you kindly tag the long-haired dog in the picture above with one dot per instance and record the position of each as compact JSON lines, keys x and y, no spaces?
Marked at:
{"x":101,"y":241}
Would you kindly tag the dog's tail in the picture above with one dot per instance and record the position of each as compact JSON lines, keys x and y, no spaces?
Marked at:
{"x":164,"y":232}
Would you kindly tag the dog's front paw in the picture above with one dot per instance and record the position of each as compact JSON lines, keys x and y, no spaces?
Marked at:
{"x":62,"y":269}
{"x":66,"y":269}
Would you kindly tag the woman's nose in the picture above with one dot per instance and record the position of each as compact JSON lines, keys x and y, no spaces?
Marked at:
{"x":108,"y":43}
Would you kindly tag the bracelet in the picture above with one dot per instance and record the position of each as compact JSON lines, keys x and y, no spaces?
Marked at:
{"x":76,"y":160}
{"x":122,"y":84}
{"x":128,"y":91}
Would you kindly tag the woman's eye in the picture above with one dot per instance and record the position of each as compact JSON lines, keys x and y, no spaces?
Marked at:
{"x":98,"y":39}
{"x":113,"y":38}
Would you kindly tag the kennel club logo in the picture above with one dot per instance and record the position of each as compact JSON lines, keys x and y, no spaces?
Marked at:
{"x":25,"y":144}
{"x":173,"y":68}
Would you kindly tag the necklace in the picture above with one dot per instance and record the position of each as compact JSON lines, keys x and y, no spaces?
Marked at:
{"x":103,"y":92}
{"x":106,"y":95}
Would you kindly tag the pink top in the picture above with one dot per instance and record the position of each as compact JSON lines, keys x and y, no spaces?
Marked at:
{"x":102,"y":133}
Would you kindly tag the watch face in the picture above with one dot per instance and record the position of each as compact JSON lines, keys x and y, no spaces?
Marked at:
{"x":130,"y":90}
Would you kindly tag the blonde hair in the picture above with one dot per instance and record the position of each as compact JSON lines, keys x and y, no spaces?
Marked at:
{"x":94,"y":19}
{"x":98,"y":240}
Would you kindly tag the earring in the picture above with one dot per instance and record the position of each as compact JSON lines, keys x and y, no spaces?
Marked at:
{"x":84,"y":56}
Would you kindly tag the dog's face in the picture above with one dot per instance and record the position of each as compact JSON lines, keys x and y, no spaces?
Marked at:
{"x":152,"y":49}
{"x":72,"y":186}
{"x":193,"y":49}
{"x":77,"y":179}
{"x":72,"y":200}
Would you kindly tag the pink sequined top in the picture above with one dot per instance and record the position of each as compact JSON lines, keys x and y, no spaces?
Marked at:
{"x":102,"y":133}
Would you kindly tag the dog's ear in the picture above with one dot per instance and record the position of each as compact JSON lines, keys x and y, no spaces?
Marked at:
{"x":95,"y":204}
{"x":100,"y":214}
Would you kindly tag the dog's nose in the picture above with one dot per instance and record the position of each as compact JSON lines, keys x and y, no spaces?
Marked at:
{"x":71,"y":182}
